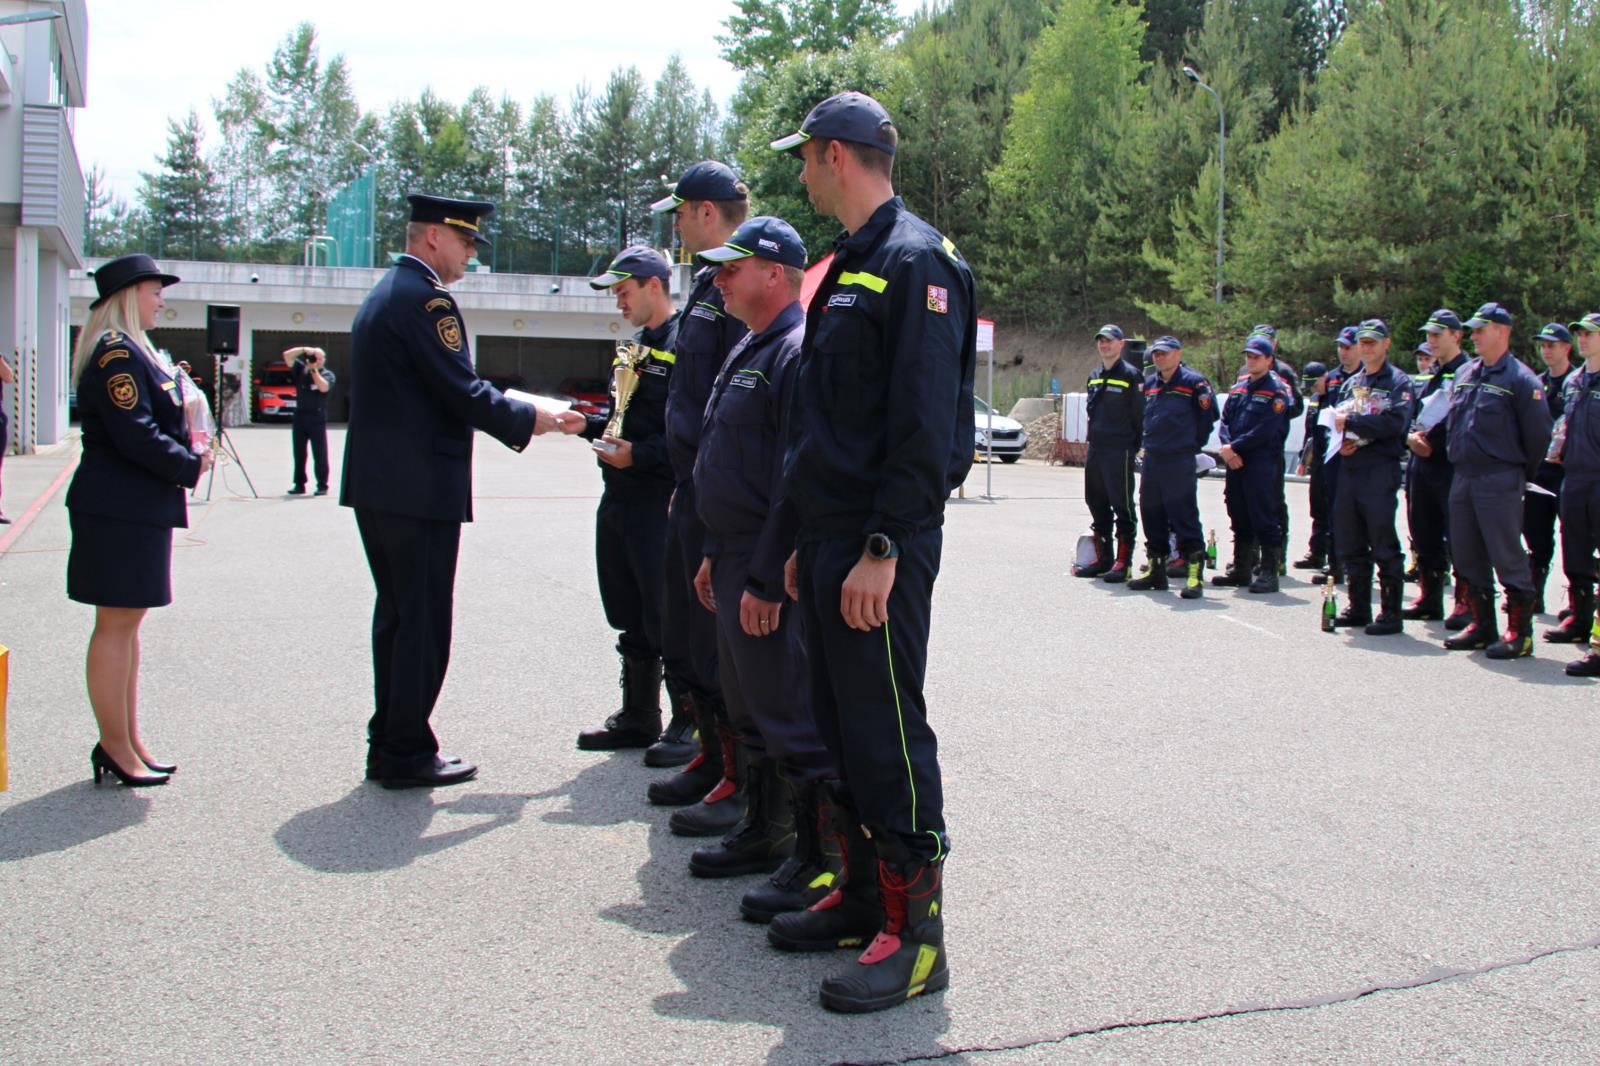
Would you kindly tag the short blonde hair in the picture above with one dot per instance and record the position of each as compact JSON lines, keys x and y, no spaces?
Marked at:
{"x":120,"y":312}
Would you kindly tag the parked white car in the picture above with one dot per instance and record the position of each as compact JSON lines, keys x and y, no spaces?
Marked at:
{"x":1009,"y":438}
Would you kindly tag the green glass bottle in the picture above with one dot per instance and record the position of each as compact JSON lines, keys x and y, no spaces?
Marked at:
{"x":1211,"y":551}
{"x":1330,"y":606}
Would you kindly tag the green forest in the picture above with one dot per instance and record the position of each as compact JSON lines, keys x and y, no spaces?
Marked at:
{"x":1382,"y":158}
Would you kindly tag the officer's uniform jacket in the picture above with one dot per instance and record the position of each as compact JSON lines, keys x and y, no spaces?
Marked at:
{"x":1116,"y":406}
{"x":1391,"y":399}
{"x":706,"y":334}
{"x":882,"y":427}
{"x":1178,"y":413}
{"x":137,"y":458}
{"x":1580,"y":455}
{"x":644,"y":422}
{"x":738,"y":476}
{"x":415,"y":400}
{"x":1255,"y":416}
{"x":1291,"y":381}
{"x":1498,"y":417}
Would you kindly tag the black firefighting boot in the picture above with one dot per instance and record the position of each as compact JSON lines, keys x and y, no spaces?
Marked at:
{"x":678,"y":743}
{"x":1194,"y":579}
{"x":1246,"y":557}
{"x":1358,"y":596}
{"x":638,"y":723}
{"x":1101,"y":563}
{"x":1589,"y":665}
{"x":1178,"y":565}
{"x":1154,"y":576}
{"x":1315,"y":560}
{"x":1460,"y":615}
{"x":807,"y":875}
{"x":764,"y":837}
{"x":703,"y":771}
{"x":1119,"y":567}
{"x":1388,"y":622}
{"x":907,"y":956}
{"x":1429,"y":603}
{"x":1479,"y":632}
{"x":1541,"y":577}
{"x":720,"y":809}
{"x":1266,"y":577}
{"x":1518,"y":640}
{"x":1574,"y":628}
{"x":849,"y":913}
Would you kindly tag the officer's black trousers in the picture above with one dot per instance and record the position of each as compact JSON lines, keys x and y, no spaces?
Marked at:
{"x":866,"y":689}
{"x":1108,"y":490}
{"x":1168,"y":503}
{"x":316,"y":435}
{"x":1252,"y":494}
{"x":1280,"y":490}
{"x":1363,"y":518}
{"x":766,"y":680}
{"x":1428,"y":512}
{"x":630,"y":551}
{"x":1580,"y":526}
{"x":1486,"y":527}
{"x":1539,"y":513}
{"x":1318,"y":504}
{"x":413,"y":563}
{"x":689,"y":631}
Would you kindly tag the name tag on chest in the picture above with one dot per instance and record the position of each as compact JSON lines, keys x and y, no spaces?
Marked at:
{"x":743,"y":380}
{"x":842,"y":299}
{"x":654,"y":368}
{"x":703,"y":312}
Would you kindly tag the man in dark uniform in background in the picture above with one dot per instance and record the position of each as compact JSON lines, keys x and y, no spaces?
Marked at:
{"x":1116,"y":420}
{"x":1539,"y":512}
{"x":1255,"y":424}
{"x":1179,"y":411}
{"x":1429,"y":473}
{"x":880,"y":436}
{"x":1580,"y":494}
{"x":312,"y":379}
{"x":706,"y":205}
{"x":414,"y":402}
{"x":630,"y":524}
{"x":1312,"y":453}
{"x":1498,"y":431}
{"x":1297,"y":407}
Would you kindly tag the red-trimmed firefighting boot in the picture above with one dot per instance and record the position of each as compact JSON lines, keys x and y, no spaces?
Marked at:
{"x":701,"y":775}
{"x":1461,"y":612}
{"x":1574,"y":628}
{"x":1518,"y":641}
{"x":763,"y":838}
{"x":720,"y":809}
{"x":678,"y":743}
{"x":849,"y":914}
{"x":1101,"y":563}
{"x":807,"y":875}
{"x":906,"y":958}
{"x":1480,"y":632}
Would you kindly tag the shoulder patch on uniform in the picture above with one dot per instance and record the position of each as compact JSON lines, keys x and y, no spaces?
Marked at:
{"x":111,"y":336}
{"x":437,"y":303}
{"x":938,"y":299}
{"x":115,"y":353}
{"x":450,"y":332}
{"x":1205,"y":401}
{"x":1538,"y":394}
{"x":124,"y":391}
{"x":1278,"y":406}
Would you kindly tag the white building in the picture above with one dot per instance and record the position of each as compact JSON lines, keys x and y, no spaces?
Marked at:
{"x":42,"y":65}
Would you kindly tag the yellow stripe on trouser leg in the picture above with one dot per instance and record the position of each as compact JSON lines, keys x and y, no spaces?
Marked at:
{"x":5,"y":665}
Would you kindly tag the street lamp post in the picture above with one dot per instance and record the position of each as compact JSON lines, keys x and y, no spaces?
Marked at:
{"x":1222,"y":184}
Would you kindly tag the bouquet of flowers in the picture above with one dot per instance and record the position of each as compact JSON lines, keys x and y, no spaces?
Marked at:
{"x":202,"y":427}
{"x":1362,"y":401}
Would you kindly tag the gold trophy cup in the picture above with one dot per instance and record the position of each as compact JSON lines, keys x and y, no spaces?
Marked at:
{"x":624,"y":383}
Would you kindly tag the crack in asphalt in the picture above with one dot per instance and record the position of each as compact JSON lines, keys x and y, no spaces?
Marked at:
{"x":1433,"y":977}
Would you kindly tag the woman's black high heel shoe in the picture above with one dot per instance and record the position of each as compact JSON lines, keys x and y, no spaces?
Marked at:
{"x":161,"y":767}
{"x":105,"y":764}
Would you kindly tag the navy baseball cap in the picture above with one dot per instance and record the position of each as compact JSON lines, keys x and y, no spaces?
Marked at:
{"x":1313,"y":370}
{"x":1555,"y":331}
{"x":764,"y":237}
{"x":1424,"y":348}
{"x":464,"y":215}
{"x":1258,"y":344}
{"x":1265,"y":329}
{"x":1589,"y":323}
{"x":636,"y":262}
{"x":1489,"y":312}
{"x":708,"y":180}
{"x":1110,"y":331}
{"x":1373,"y":328}
{"x":1168,"y":343}
{"x":1441,"y":320}
{"x":850,"y":116}
{"x":1346,"y":337}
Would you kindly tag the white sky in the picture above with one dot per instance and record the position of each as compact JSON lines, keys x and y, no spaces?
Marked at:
{"x":149,"y":61}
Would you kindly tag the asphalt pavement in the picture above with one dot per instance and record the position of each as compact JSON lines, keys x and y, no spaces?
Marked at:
{"x":1183,"y":831}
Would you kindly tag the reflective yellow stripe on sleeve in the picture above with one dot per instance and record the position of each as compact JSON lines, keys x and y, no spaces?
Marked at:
{"x":866,"y":281}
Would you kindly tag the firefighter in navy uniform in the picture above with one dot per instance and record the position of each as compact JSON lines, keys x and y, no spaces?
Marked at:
{"x":1429,"y":474}
{"x":1312,"y":454}
{"x":706,"y":204}
{"x":1255,"y":424}
{"x":630,"y":524}
{"x":880,"y":435}
{"x":1116,"y":420}
{"x":1580,"y":498}
{"x":414,"y":401}
{"x":1498,"y":432}
{"x":1297,"y":407}
{"x":1179,"y":411}
{"x":1539,"y":512}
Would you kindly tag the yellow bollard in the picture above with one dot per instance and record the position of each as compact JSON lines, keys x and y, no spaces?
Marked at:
{"x":5,"y":663}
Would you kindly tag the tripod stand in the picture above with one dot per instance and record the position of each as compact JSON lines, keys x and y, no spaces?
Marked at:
{"x":222,"y":442}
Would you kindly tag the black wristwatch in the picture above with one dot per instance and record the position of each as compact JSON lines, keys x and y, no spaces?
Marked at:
{"x":880,"y":547}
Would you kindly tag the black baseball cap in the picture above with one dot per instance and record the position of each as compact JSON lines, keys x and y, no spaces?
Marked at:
{"x":1258,"y":344}
{"x":764,"y":237}
{"x":114,"y":275}
{"x":849,"y":116}
{"x":635,"y":262}
{"x":464,"y":215}
{"x":1168,"y":343}
{"x":707,"y":180}
{"x":1441,"y":320}
{"x":1374,"y":328}
{"x":1555,"y":331}
{"x":1313,"y":370}
{"x":1489,"y":312}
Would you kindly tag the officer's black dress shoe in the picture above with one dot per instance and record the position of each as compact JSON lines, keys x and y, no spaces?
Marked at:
{"x":437,"y":775}
{"x":298,"y":490}
{"x":323,"y":491}
{"x":372,"y":766}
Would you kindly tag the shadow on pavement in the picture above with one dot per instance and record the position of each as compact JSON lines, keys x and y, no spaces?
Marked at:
{"x":372,"y":829}
{"x":71,"y":815}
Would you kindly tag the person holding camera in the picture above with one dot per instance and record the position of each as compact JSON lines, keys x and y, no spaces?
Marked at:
{"x":312,"y":380}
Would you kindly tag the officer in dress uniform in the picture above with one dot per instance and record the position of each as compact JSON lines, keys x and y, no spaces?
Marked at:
{"x":1255,"y":424}
{"x":880,"y":436}
{"x":1429,"y":474}
{"x":414,"y":401}
{"x":1539,"y":512}
{"x":630,"y":526}
{"x":1498,"y":432}
{"x":1179,"y":411}
{"x":706,"y":204}
{"x":739,"y":484}
{"x":1116,"y":420}
{"x":1580,"y":498}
